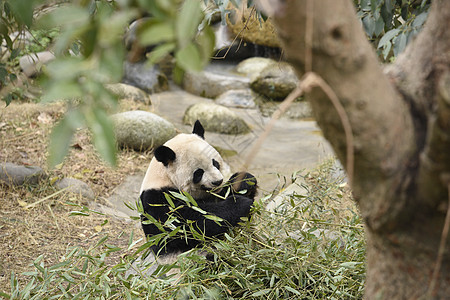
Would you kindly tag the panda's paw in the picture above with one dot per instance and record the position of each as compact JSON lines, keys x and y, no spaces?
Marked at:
{"x":244,"y":183}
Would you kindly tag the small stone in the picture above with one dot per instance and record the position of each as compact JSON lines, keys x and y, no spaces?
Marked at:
{"x":243,"y":98}
{"x":75,"y":186}
{"x":12,"y":174}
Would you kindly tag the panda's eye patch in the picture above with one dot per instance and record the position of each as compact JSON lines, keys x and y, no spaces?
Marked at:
{"x":216,"y":164}
{"x":198,"y":174}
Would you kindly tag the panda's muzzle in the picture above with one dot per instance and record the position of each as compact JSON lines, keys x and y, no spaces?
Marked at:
{"x":217,"y":183}
{"x":215,"y":186}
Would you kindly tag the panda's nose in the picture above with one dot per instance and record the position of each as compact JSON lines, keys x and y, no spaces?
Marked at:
{"x":217,"y":183}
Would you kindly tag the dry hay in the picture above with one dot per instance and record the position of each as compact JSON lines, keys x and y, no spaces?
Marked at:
{"x":47,"y":229}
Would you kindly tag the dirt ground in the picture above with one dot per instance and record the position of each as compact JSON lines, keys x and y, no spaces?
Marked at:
{"x":48,"y":228}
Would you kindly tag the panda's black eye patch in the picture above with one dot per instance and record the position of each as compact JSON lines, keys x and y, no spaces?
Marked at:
{"x":216,"y":164}
{"x":198,"y":174}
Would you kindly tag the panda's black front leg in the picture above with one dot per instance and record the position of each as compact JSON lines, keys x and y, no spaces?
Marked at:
{"x":243,"y":184}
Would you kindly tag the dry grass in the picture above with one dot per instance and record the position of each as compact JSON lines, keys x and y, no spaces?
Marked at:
{"x":47,"y":229}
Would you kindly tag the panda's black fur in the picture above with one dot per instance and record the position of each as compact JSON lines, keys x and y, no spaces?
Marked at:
{"x":237,"y":204}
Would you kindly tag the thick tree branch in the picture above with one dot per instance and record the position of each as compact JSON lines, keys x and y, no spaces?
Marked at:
{"x":382,"y":126}
{"x":422,"y":74}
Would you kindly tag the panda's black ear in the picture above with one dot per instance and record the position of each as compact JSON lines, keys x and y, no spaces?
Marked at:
{"x":165,"y":155}
{"x":198,"y":129}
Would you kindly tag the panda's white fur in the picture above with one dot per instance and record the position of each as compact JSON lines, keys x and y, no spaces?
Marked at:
{"x":192,"y":152}
{"x":187,"y":163}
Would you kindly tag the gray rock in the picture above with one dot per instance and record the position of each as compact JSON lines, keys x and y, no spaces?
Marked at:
{"x":275,"y":81}
{"x":125,"y":91}
{"x":127,"y":192}
{"x":12,"y":174}
{"x":31,"y":64}
{"x":215,"y":118}
{"x":300,"y":110}
{"x":210,"y":84}
{"x":146,"y":77}
{"x":141,"y":130}
{"x":253,"y":66}
{"x":75,"y":186}
{"x":297,"y":110}
{"x":243,"y":98}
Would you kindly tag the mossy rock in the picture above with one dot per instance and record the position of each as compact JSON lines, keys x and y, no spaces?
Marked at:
{"x":215,"y":118}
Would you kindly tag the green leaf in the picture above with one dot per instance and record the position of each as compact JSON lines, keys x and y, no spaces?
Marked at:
{"x":292,"y":290}
{"x":61,"y":137}
{"x":365,"y":5}
{"x":206,"y":43}
{"x":190,"y":198}
{"x":379,"y":26}
{"x":386,"y":50}
{"x":111,"y":64}
{"x":188,"y":58}
{"x":369,"y":25}
{"x":78,"y":213}
{"x":62,"y":91}
{"x":261,"y":292}
{"x":23,"y":11}
{"x":66,"y":68}
{"x":399,"y":43}
{"x":420,"y":19}
{"x":103,"y":135}
{"x":154,"y":32}
{"x":169,"y":200}
{"x":160,"y":52}
{"x":187,"y":22}
{"x":199,"y":210}
{"x":68,"y":16}
{"x":350,"y":264}
{"x":216,"y":219}
{"x":387,"y":37}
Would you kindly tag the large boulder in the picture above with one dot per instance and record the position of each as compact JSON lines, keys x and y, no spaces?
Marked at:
{"x":146,"y":77}
{"x":215,"y":118}
{"x":12,"y":174}
{"x":125,"y":91}
{"x":210,"y":84}
{"x":141,"y":130}
{"x":275,"y":81}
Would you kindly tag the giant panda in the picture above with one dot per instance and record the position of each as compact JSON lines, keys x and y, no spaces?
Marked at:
{"x":187,"y":163}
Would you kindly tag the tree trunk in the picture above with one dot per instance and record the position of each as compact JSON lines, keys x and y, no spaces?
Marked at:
{"x":400,"y":121}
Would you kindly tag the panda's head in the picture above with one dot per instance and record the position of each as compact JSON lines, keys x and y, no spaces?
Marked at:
{"x":190,"y":163}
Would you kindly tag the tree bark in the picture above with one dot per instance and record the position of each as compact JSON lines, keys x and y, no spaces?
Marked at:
{"x":400,"y":122}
